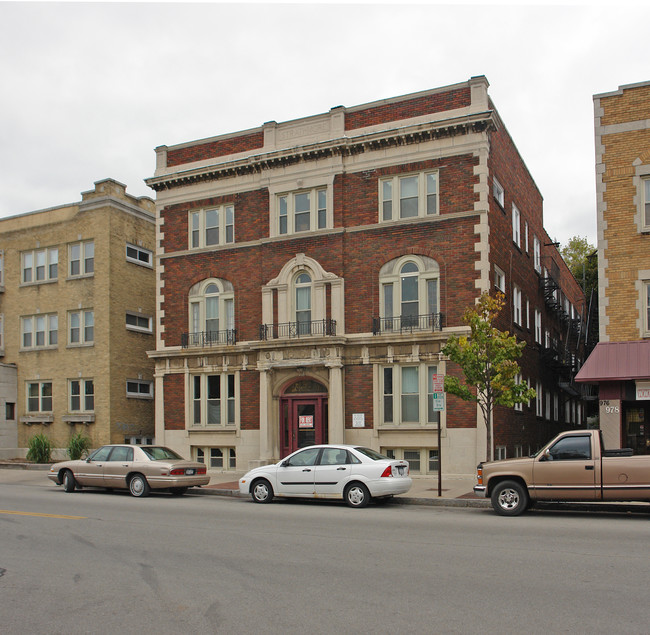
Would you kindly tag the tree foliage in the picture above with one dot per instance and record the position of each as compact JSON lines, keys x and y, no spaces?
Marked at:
{"x":488,"y":361}
{"x":579,"y":256}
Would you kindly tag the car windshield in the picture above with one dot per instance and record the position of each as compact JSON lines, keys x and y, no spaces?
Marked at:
{"x":372,"y":454}
{"x":159,"y":453}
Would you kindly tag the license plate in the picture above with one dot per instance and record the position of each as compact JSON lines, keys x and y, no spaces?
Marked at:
{"x":400,"y":470}
{"x":190,"y":472}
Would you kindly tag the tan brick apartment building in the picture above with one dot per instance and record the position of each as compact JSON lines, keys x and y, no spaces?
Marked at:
{"x":77,"y":304}
{"x":620,"y":364}
{"x":311,"y":271}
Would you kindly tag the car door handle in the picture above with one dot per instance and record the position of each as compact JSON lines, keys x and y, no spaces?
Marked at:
{"x":589,"y":467}
{"x":307,"y":469}
{"x":341,"y":468}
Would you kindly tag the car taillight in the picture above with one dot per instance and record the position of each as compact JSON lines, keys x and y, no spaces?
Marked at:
{"x":387,"y":472}
{"x":179,"y":471}
{"x":201,"y":470}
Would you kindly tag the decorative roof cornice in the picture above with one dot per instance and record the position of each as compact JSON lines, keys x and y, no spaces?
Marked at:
{"x":342,"y":146}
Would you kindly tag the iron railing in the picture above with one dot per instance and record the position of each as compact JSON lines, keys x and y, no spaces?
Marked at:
{"x":209,"y":338}
{"x":407,"y":323}
{"x":297,"y":329}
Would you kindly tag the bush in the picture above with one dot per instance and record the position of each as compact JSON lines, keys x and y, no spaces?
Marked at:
{"x":78,"y":446}
{"x":40,"y":449}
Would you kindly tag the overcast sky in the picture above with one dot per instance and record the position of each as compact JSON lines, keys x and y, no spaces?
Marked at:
{"x":90,"y":89}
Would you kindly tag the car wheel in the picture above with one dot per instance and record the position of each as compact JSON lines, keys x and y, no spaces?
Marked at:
{"x":68,"y":481}
{"x":357,"y":495}
{"x":262,"y":491}
{"x":138,"y":486}
{"x":509,"y":498}
{"x":178,"y":491}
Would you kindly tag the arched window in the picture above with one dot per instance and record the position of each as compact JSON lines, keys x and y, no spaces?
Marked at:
{"x":409,"y":293}
{"x":212,"y":313}
{"x":303,"y":303}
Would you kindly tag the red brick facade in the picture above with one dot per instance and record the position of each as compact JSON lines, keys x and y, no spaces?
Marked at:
{"x":352,"y":249}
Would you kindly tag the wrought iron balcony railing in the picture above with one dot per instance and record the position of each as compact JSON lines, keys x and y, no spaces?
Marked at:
{"x":209,"y":338}
{"x":407,"y":323}
{"x":297,"y":329}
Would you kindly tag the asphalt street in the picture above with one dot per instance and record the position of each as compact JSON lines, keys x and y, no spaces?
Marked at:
{"x":97,"y":562}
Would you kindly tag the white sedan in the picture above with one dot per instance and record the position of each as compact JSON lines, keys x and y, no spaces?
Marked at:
{"x":355,"y":474}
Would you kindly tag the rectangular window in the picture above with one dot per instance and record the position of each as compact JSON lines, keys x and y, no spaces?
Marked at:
{"x":528,"y":314}
{"x":39,"y":396}
{"x":434,"y":460}
{"x":138,"y":322}
{"x":210,"y":227}
{"x":526,"y":235}
{"x":219,"y":458}
{"x":556,"y":407}
{"x":1,"y":332}
{"x":413,"y":457}
{"x":214,"y":400}
{"x":516,"y":226}
{"x":538,"y":326}
{"x":539,"y":404}
{"x":139,"y":389}
{"x":41,"y":265}
{"x":516,"y":304}
{"x":409,"y":196}
{"x":537,"y":254}
{"x":302,"y":211}
{"x":407,"y":395}
{"x":82,"y":395}
{"x":518,"y":380}
{"x":81,"y":327}
{"x":81,"y":259}
{"x":646,"y":202}
{"x":1,"y":268}
{"x":547,"y":399}
{"x":499,"y":193}
{"x":139,"y":255}
{"x":10,"y":411}
{"x":500,"y":453}
{"x":499,"y":279}
{"x":39,"y":331}
{"x":647,"y":306}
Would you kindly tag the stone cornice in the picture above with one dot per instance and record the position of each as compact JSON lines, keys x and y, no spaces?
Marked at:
{"x":343,"y":146}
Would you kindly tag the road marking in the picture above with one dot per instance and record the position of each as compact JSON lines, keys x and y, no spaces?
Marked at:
{"x":7,"y":511}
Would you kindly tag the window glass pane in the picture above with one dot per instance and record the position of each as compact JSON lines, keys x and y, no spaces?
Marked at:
{"x":195,"y":221}
{"x":388,"y":395}
{"x":413,"y":457}
{"x":388,"y":300}
{"x":214,"y":399}
{"x":410,"y":396}
{"x":432,"y":296}
{"x":409,"y":197}
{"x":216,"y":457}
{"x":434,"y":461}
{"x":301,"y":202}
{"x":432,"y":193}
{"x":387,"y":199}
{"x":647,"y":202}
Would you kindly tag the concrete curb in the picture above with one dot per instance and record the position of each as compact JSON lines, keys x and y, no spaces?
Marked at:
{"x":397,"y":500}
{"x":11,"y":465}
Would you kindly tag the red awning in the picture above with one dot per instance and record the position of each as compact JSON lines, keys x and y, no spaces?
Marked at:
{"x":617,"y":361}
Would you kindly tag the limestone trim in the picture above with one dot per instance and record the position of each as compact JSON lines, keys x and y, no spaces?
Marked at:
{"x":283,"y":284}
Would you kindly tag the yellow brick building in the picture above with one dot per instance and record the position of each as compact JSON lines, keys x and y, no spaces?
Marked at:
{"x":620,"y":364}
{"x":77,"y":300}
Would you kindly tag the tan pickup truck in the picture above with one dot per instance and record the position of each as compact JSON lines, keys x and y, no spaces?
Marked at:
{"x":574,"y":466}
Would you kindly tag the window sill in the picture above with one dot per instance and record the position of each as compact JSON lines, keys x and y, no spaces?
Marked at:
{"x":86,"y":418}
{"x":37,"y":283}
{"x":81,"y":276}
{"x":211,"y":429}
{"x":35,"y":349}
{"x":37,"y":419}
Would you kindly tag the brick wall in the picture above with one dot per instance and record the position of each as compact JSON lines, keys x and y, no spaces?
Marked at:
{"x":426,"y":104}
{"x":174,"y":399}
{"x":214,"y":149}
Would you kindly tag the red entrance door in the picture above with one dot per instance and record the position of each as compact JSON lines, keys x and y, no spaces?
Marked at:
{"x":303,"y":422}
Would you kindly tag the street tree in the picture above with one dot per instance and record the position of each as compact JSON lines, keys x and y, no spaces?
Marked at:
{"x":487,"y":358}
{"x":580,"y":257}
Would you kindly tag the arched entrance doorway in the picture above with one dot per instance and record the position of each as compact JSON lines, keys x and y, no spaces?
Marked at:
{"x":303,"y":415}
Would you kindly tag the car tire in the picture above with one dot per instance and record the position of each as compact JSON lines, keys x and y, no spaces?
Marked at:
{"x":357,"y":495}
{"x":509,"y":498}
{"x":138,"y":486}
{"x":68,"y":481}
{"x":178,"y":491}
{"x":262,"y":491}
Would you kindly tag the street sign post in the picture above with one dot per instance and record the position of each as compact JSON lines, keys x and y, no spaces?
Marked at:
{"x":438,"y":398}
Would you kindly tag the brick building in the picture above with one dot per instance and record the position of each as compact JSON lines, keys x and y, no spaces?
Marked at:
{"x":311,"y":271}
{"x":620,"y":363}
{"x":77,"y":303}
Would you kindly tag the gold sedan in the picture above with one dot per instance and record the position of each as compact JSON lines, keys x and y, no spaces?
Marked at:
{"x":138,"y":468}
